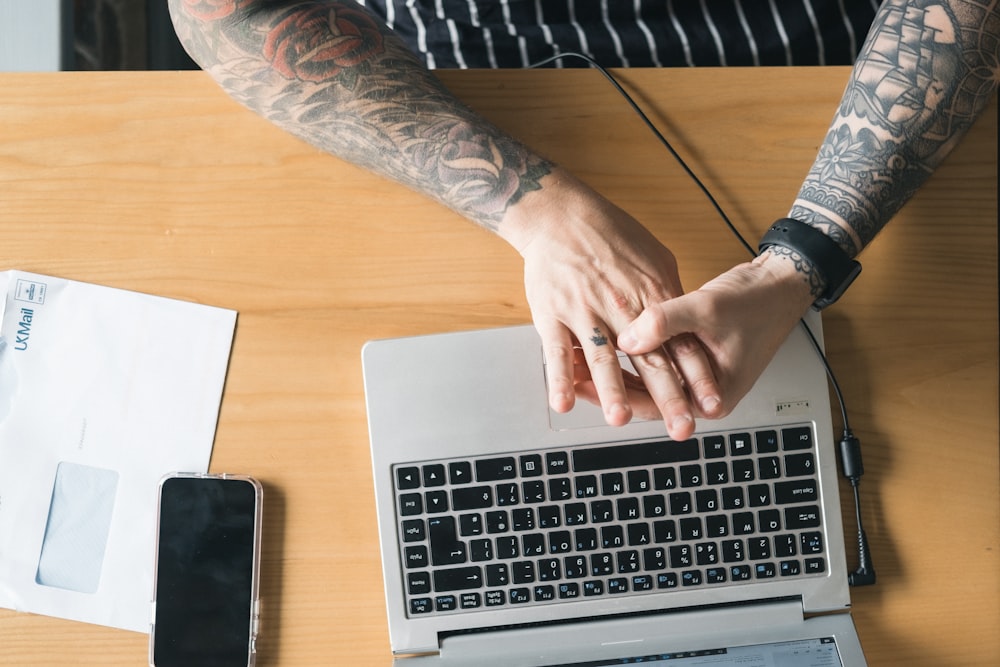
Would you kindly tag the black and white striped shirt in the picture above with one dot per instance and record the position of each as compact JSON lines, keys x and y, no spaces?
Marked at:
{"x":630,"y":33}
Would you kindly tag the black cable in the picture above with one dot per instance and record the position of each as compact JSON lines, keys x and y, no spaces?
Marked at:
{"x":850,"y":446}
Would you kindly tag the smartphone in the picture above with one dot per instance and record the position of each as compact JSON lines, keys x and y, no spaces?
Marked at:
{"x":207,"y":571}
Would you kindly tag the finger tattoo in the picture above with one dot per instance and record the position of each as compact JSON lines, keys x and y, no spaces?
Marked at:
{"x":598,"y":338}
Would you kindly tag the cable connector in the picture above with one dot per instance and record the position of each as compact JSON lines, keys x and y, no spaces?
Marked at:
{"x":850,"y":457}
{"x":853,"y":469}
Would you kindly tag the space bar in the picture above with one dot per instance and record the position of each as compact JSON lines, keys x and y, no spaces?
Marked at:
{"x":634,"y":455}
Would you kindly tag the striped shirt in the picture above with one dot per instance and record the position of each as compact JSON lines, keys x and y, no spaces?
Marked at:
{"x":630,"y":33}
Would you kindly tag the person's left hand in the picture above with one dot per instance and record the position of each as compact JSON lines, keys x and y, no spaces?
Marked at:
{"x":740,"y":319}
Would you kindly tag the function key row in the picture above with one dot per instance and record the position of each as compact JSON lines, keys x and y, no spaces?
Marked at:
{"x":592,"y":459}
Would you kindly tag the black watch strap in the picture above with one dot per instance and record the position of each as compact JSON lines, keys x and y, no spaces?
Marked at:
{"x":833,"y":264}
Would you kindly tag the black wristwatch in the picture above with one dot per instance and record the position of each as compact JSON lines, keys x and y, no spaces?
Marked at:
{"x":835,"y":265}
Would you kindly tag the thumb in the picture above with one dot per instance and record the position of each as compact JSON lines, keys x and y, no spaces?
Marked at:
{"x":656,"y":325}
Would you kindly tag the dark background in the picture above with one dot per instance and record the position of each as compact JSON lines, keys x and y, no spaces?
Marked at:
{"x":124,"y":35}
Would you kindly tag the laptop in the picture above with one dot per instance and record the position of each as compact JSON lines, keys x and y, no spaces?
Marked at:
{"x":514,"y":535}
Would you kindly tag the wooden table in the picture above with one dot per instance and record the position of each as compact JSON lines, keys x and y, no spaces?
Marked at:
{"x":157,"y":182}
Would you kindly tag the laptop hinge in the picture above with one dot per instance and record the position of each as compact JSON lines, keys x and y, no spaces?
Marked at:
{"x":604,"y":635}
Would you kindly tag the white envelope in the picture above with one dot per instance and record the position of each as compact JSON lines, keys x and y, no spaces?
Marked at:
{"x":102,"y":392}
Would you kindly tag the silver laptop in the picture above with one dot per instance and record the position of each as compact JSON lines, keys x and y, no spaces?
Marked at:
{"x":513,"y":535}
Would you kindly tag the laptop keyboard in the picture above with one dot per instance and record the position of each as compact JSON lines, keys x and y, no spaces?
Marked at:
{"x":551,"y":526}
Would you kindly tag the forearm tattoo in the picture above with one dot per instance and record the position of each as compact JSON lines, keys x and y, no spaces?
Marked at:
{"x":329,"y":73}
{"x":926,"y":71}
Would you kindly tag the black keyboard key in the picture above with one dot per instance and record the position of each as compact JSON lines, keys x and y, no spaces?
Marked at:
{"x":418,"y":583}
{"x":796,"y":491}
{"x":533,"y":544}
{"x":664,"y":479}
{"x":436,"y":501}
{"x":812,"y":542}
{"x":522,"y":572}
{"x":519,"y":595}
{"x":495,"y":598}
{"x":508,"y":494}
{"x":612,"y":484}
{"x":471,"y":498}
{"x":797,"y":465}
{"x":458,"y":579}
{"x":445,"y":603}
{"x":446,"y":548}
{"x":586,"y":486}
{"x":495,"y":470}
{"x":767,"y":442}
{"x":497,"y":575}
{"x":691,"y":475}
{"x":790,"y":568}
{"x":556,"y":463}
{"x":507,"y":548}
{"x":549,"y":516}
{"x":549,"y":569}
{"x":533,"y":491}
{"x":806,"y":516}
{"x":769,"y":521}
{"x":759,"y":495}
{"x":545,"y":593}
{"x":638,"y":481}
{"x":815,"y":565}
{"x":411,"y":504}
{"x":717,"y":472}
{"x":531,"y":465}
{"x":470,"y":524}
{"x":768,"y":467}
{"x":799,"y":437}
{"x":471,"y":600}
{"x":715,"y":446}
{"x":433,"y":475}
{"x":740,"y":444}
{"x":421,"y":606}
{"x":785,"y":545}
{"x":416,"y":556}
{"x":560,"y":488}
{"x":460,"y":472}
{"x":634,"y":455}
{"x":414,"y":530}
{"x":497,"y":522}
{"x":480,"y":550}
{"x":407,"y":478}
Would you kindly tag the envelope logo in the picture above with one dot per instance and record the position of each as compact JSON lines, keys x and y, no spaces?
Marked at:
{"x":30,"y":291}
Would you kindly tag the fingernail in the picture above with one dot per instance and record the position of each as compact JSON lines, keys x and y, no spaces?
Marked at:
{"x":710,"y":404}
{"x":680,"y":422}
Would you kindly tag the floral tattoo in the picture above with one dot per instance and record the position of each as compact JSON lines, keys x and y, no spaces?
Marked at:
{"x":329,"y":73}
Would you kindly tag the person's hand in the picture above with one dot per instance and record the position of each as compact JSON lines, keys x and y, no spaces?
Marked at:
{"x":590,"y":269}
{"x":740,"y":319}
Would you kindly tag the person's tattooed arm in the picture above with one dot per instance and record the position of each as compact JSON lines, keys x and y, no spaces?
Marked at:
{"x":331,"y":74}
{"x":926,"y":71}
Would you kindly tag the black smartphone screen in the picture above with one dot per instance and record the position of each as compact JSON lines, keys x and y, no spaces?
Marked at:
{"x":205,"y":572}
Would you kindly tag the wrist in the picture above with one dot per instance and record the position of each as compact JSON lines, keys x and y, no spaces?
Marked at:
{"x":560,"y":197}
{"x":829,"y":268}
{"x":794,"y":283}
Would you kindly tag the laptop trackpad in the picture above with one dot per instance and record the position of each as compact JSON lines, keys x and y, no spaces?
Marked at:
{"x":584,"y":413}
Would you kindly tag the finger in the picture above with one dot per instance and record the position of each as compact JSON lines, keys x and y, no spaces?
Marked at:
{"x":557,"y":347}
{"x":606,"y":374}
{"x":696,"y":370}
{"x":656,"y":325}
{"x":666,"y":391}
